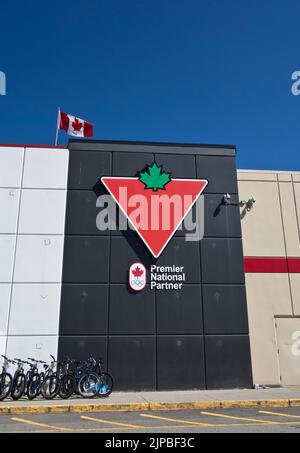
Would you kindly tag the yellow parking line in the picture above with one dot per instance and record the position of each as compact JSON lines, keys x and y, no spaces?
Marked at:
{"x":278,"y":414}
{"x":243,"y":419}
{"x":43,"y":425}
{"x":175,"y":420}
{"x":108,"y":422}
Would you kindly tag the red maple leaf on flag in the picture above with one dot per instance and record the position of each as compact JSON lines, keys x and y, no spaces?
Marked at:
{"x":77,"y":126}
{"x":137,"y":272}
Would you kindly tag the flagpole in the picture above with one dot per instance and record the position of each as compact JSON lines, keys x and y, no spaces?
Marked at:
{"x":57,"y":126}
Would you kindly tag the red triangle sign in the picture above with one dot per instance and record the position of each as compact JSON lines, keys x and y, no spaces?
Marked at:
{"x":155,"y":214}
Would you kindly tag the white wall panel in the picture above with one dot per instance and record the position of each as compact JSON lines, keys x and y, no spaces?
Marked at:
{"x":268,"y":295}
{"x":11,"y":164}
{"x":9,"y":206}
{"x":39,"y":259}
{"x":42,"y":211}
{"x":4,"y":307}
{"x":262,"y":226}
{"x":34,"y":309}
{"x":37,"y":347}
{"x":7,"y":249}
{"x":290,"y":221}
{"x":46,"y":168}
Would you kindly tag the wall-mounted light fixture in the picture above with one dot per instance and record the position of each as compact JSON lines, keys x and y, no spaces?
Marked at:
{"x":248,"y":204}
{"x":226,"y":198}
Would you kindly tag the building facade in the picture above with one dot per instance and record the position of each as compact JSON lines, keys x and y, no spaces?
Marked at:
{"x":271,"y":241}
{"x":65,"y":287}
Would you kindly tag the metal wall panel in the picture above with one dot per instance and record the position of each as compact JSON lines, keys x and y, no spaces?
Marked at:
{"x":45,"y":168}
{"x":7,"y":249}
{"x":180,"y":363}
{"x":5,"y":289}
{"x":34,"y":309}
{"x":42,"y":212}
{"x":39,"y":347}
{"x":11,"y":164}
{"x":132,"y":360}
{"x":180,"y":312}
{"x":228,"y":362}
{"x":9,"y":202}
{"x":225,"y":310}
{"x":84,"y":309}
{"x":38,"y":259}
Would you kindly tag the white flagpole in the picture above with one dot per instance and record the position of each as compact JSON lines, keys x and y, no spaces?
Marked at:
{"x":57,"y":127}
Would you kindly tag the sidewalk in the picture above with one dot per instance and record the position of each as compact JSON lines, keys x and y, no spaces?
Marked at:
{"x":276,"y":397}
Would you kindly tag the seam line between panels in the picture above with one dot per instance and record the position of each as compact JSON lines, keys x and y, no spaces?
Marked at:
{"x":285,"y":244}
{"x":15,"y":250}
{"x":202,"y":300}
{"x":108,"y":282}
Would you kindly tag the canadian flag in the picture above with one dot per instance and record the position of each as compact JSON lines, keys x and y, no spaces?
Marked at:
{"x":74,"y":126}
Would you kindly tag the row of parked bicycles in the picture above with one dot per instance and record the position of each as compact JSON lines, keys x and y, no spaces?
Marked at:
{"x":64,"y":379}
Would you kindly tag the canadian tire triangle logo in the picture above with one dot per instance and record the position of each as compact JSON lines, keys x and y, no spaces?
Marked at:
{"x":155,"y":203}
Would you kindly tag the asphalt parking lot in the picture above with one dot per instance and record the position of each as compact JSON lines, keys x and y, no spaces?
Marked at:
{"x":286,"y":420}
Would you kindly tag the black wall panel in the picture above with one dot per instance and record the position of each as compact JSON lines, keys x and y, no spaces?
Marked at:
{"x":228,"y":362}
{"x":180,"y":312}
{"x":182,"y":253}
{"x":124,"y":252}
{"x":84,"y":309}
{"x":86,"y":168}
{"x":222,"y":220}
{"x":223,"y":260}
{"x":225,"y":310}
{"x":132,"y":360}
{"x":79,"y":348}
{"x":220,"y":172}
{"x":180,"y":363}
{"x":181,"y":167}
{"x":86,"y":259}
{"x":82,"y":213}
{"x":131,"y":164}
{"x":137,"y":308}
{"x":195,"y":338}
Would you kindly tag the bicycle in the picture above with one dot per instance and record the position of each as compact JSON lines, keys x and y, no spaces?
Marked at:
{"x":106,"y":380}
{"x":33,"y":379}
{"x":52,"y":380}
{"x":82,"y":380}
{"x":19,"y":381}
{"x":6,"y":379}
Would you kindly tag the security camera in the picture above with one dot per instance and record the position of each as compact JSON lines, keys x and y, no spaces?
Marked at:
{"x":226,"y":198}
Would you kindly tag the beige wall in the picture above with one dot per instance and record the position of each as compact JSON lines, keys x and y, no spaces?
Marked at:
{"x":270,"y":229}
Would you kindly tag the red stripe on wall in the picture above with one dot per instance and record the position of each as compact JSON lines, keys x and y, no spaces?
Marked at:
{"x":265,"y":265}
{"x":294,"y":265}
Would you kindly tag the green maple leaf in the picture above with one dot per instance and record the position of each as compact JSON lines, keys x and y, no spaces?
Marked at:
{"x":155,"y":178}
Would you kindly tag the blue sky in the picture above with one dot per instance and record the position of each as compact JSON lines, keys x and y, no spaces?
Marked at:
{"x":196,"y":71}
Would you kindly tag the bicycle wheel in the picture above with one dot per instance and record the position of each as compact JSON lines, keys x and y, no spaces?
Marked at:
{"x":18,"y":387}
{"x":67,"y":386}
{"x":50,"y":387}
{"x":33,"y":386}
{"x":88,"y":385}
{"x":6,"y":381}
{"x":106,"y":385}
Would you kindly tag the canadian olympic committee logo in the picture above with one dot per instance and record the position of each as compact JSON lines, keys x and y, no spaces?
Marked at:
{"x":137,"y":277}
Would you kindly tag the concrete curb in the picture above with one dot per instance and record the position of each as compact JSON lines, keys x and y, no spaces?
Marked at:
{"x":136,"y":407}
